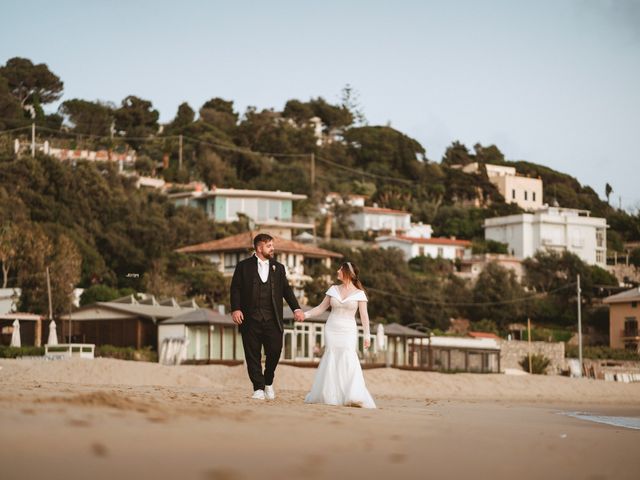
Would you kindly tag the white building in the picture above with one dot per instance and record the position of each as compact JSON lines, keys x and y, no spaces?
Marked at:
{"x":515,"y":188}
{"x":552,"y":228}
{"x":226,"y":252}
{"x":411,"y":247}
{"x":271,"y":210}
{"x":381,"y":219}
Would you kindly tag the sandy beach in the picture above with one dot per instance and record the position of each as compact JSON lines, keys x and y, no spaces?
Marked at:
{"x":115,"y":419}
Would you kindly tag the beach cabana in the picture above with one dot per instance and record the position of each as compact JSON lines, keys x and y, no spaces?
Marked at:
{"x":30,"y":326}
{"x":404,"y":347}
{"x":210,"y":336}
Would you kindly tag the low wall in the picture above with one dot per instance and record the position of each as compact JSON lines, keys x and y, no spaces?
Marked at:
{"x":513,"y":351}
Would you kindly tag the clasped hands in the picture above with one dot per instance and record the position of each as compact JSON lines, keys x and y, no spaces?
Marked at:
{"x":238,"y":317}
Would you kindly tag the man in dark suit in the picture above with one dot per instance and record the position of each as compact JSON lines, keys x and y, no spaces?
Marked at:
{"x":258,"y":286}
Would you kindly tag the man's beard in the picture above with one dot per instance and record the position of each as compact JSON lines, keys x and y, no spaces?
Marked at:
{"x":268,"y":255}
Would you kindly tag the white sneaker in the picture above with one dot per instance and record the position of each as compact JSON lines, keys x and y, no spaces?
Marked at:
{"x":269,"y":392}
{"x":258,"y":395}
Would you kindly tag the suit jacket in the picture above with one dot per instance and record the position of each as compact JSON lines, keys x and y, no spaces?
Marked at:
{"x":244,"y":292}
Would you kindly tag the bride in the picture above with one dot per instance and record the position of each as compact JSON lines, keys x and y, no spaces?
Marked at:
{"x":339,"y":379}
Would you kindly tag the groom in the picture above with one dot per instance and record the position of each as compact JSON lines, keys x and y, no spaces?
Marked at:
{"x":259,"y":283}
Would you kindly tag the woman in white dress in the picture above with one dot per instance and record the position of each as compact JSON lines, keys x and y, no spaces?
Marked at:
{"x":339,"y":379}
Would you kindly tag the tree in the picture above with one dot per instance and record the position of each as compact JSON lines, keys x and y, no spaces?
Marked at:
{"x":65,"y":272}
{"x":185,"y":116}
{"x":332,"y":116}
{"x":608,"y":189}
{"x":31,"y":83}
{"x":351,"y":101}
{"x":11,"y":113}
{"x":136,"y":118}
{"x":298,"y":111}
{"x":102,"y":293}
{"x":457,"y":154}
{"x":88,"y":118}
{"x":497,"y":294}
{"x":220,"y":114}
{"x":9,"y":242}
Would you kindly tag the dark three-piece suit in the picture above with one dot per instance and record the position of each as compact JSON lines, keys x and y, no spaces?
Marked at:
{"x":261,"y":305}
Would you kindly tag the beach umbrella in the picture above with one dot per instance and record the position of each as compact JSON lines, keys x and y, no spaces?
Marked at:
{"x":53,"y":335}
{"x":380,"y":337}
{"x":15,"y":336}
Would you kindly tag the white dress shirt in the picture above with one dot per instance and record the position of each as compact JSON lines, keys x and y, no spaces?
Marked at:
{"x":263,"y":269}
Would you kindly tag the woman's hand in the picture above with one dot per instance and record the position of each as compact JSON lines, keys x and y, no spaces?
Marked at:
{"x":367,"y":343}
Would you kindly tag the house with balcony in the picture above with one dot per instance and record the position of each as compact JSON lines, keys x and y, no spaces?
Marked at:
{"x":471,"y":266}
{"x":515,"y":188}
{"x":411,"y":247}
{"x":272,"y":210}
{"x":376,"y":219}
{"x":624,"y":314}
{"x":554,"y":229}
{"x":297,"y":257}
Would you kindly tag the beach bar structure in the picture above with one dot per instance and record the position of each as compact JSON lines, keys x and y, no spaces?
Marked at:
{"x":461,"y":354}
{"x":411,"y":349}
{"x":125,"y":322}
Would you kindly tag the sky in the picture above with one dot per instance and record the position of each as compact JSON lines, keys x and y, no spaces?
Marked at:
{"x":554,"y":82}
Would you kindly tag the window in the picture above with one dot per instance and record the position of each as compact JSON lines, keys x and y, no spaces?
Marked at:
{"x":421,"y":251}
{"x":440,"y":251}
{"x":513,"y":194}
{"x":630,"y":327}
{"x":230,"y":260}
{"x":599,"y":256}
{"x":634,"y":304}
{"x":533,"y":196}
{"x":599,"y":237}
{"x":525,"y":195}
{"x":234,"y":205}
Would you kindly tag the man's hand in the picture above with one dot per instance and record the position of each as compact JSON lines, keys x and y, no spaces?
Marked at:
{"x":298,"y":315}
{"x":237,"y":317}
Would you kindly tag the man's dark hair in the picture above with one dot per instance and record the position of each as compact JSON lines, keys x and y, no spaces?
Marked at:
{"x":261,"y":238}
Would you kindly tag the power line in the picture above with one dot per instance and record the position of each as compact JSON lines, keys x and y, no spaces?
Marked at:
{"x":360,"y":172}
{"x":470,"y":304}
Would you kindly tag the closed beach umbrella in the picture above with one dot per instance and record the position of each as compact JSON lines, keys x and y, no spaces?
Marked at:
{"x":53,"y":335}
{"x":15,"y":336}
{"x":380,"y":337}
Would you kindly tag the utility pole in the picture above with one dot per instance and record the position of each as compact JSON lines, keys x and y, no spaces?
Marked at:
{"x":313,"y":170}
{"x":529,"y":343}
{"x":578,"y":291}
{"x":180,"y":153}
{"x":33,"y":139}
{"x":49,"y":293}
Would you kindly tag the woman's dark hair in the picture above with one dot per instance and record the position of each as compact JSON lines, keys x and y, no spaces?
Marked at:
{"x":351,"y":271}
{"x":261,"y":238}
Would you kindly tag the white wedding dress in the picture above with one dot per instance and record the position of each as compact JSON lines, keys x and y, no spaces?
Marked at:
{"x":339,"y":379}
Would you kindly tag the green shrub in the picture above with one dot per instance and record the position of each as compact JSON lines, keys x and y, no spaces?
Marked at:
{"x":539,"y":364}
{"x":15,"y":352}
{"x":606,"y":353}
{"x":126,"y":353}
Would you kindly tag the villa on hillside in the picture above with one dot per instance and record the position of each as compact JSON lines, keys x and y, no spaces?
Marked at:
{"x":272,"y":210}
{"x":515,"y":188}
{"x":411,"y":247}
{"x":552,"y":228}
{"x":378,"y":219}
{"x":225,"y":253}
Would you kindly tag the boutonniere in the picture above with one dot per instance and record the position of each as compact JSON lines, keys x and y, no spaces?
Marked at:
{"x":273,"y":267}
